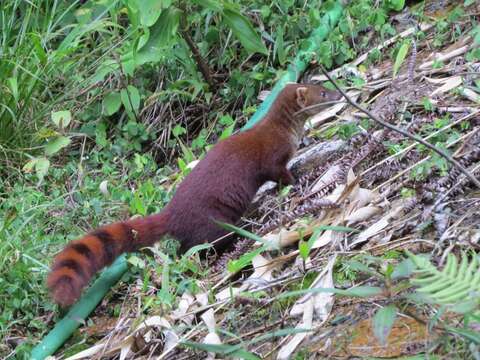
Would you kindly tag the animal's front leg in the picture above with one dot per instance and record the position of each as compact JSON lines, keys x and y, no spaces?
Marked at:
{"x":286,"y":177}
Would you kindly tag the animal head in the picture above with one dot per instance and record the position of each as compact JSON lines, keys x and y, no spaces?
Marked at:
{"x":296,"y":102}
{"x":307,"y":96}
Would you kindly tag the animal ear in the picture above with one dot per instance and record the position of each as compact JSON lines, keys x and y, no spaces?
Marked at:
{"x":302,"y":96}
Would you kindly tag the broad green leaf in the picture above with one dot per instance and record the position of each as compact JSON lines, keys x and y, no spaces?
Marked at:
{"x":41,"y":167}
{"x":382,"y":323}
{"x":396,"y":5}
{"x":150,"y":11}
{"x":136,"y":261}
{"x":62,"y":118}
{"x":178,"y":130}
{"x":55,"y":145}
{"x":111,"y":103}
{"x":162,"y":34}
{"x":404,"y":269}
{"x":210,"y":4}
{"x":227,"y":132}
{"x":303,"y":249}
{"x":130,"y":98}
{"x":244,"y":31}
{"x":128,"y":63}
{"x":107,"y":67}
{"x":401,"y":55}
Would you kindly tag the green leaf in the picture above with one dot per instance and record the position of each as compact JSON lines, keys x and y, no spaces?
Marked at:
{"x":237,"y":350}
{"x":130,"y":99}
{"x":111,"y":103}
{"x":227,"y":132}
{"x":234,"y":266}
{"x":62,"y":118}
{"x":244,"y":31}
{"x":401,"y":55}
{"x":178,"y":130}
{"x":210,"y":4}
{"x":382,"y":323}
{"x":150,"y":11}
{"x":28,"y":167}
{"x":55,"y":145}
{"x":362,"y":291}
{"x":303,"y":249}
{"x":41,"y":167}
{"x":359,"y":291}
{"x":468,"y":334}
{"x":279,"y":47}
{"x":240,"y":231}
{"x":162,"y":34}
{"x":13,"y":85}
{"x":396,"y":5}
{"x":404,"y":269}
{"x":197,"y":248}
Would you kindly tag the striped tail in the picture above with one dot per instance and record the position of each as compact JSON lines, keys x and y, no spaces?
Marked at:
{"x":75,"y":265}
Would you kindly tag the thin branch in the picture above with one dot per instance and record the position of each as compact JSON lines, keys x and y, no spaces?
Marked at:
{"x":202,"y":65}
{"x":403,"y":132}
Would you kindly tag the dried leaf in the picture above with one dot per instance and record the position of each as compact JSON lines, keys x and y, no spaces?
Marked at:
{"x":322,"y":302}
{"x":183,"y":306}
{"x":322,"y":116}
{"x":103,"y":187}
{"x":306,"y":323}
{"x":330,"y":176}
{"x":362,"y":197}
{"x":471,"y":95}
{"x":362,"y":214}
{"x":208,"y":318}
{"x":372,"y":230}
{"x":450,"y":84}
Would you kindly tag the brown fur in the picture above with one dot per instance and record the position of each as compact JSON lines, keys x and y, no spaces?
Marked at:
{"x":220,"y":188}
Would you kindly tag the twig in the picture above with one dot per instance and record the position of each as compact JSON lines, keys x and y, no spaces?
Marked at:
{"x":202,"y":65}
{"x":403,"y":132}
{"x":410,"y":147}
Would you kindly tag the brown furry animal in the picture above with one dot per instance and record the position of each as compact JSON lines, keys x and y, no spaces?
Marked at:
{"x":220,"y":187}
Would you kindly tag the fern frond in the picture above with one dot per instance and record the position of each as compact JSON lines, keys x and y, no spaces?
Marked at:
{"x":455,"y":283}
